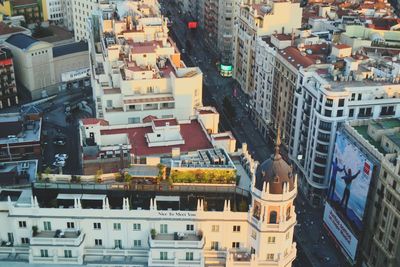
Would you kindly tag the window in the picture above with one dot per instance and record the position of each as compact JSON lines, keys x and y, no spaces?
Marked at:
{"x":163,"y":228}
{"x":236,"y":228}
{"x":351,"y":112}
{"x":235,"y":245}
{"x":98,"y":242}
{"x":117,"y":226}
{"x":254,"y":234}
{"x":70,"y":225}
{"x":134,"y":120}
{"x":97,"y":225}
{"x":189,"y":256}
{"x":47,"y":226}
{"x":329,"y":102}
{"x":340,"y":113}
{"x":189,"y":227}
{"x":270,"y":256}
{"x":109,"y":103}
{"x":118,"y":243}
{"x":25,"y":240}
{"x":137,"y":243}
{"x":214,"y":245}
{"x":395,"y":222}
{"x":22,"y":224}
{"x":359,"y":97}
{"x":271,"y":240}
{"x":272,"y":217}
{"x":215,"y":228}
{"x":341,"y":102}
{"x":137,"y":227}
{"x":44,"y":253}
{"x":68,"y":253}
{"x":163,"y":255}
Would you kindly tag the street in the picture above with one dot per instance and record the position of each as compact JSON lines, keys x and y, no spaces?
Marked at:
{"x":315,"y":248}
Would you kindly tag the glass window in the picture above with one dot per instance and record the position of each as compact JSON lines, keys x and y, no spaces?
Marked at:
{"x":117,"y":226}
{"x":47,"y":226}
{"x":189,"y":256}
{"x":137,"y":226}
{"x":44,"y":253}
{"x":67,"y":253}
{"x":163,"y":255}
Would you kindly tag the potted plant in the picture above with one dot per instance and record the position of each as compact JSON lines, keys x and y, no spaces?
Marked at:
{"x":34,"y":230}
{"x":153,"y":233}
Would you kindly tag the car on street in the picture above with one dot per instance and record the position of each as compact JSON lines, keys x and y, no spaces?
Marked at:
{"x":61,"y":157}
{"x":59,"y":141}
{"x":59,"y":163}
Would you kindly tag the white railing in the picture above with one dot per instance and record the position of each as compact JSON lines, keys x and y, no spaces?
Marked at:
{"x":15,"y":250}
{"x":61,"y":241}
{"x":176,"y":243}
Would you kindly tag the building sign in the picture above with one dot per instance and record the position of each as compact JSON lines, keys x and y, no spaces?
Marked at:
{"x":226,"y":67}
{"x":75,"y":75}
{"x":192,"y":24}
{"x":349,"y":180}
{"x":183,"y":214}
{"x":342,"y":234}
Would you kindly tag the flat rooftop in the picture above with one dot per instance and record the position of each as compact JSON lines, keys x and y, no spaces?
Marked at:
{"x":16,"y":129}
{"x":192,"y":133}
{"x":26,"y":169}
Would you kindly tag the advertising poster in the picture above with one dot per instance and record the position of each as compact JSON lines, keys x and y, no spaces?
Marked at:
{"x":349,"y":180}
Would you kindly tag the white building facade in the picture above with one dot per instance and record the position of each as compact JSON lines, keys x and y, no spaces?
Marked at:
{"x":147,"y":235}
{"x":137,"y":70}
{"x":257,"y":20}
{"x":325,"y":98}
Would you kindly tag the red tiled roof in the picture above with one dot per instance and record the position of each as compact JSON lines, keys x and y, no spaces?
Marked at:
{"x":92,"y":121}
{"x":193,"y":134}
{"x":147,"y":100}
{"x":342,"y":46}
{"x":149,"y":118}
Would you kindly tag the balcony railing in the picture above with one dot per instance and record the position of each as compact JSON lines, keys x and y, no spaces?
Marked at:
{"x":172,"y":241}
{"x":49,"y":238}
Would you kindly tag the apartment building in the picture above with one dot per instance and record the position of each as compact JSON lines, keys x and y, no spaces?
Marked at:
{"x":278,"y":62}
{"x":257,"y":19}
{"x":8,"y":87}
{"x":32,"y":10}
{"x":379,"y":140}
{"x":197,"y":225}
{"x":137,"y":69}
{"x":220,"y":17}
{"x":380,"y":244}
{"x":353,"y":87}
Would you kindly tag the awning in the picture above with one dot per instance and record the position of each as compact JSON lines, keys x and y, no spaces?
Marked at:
{"x":167,"y":198}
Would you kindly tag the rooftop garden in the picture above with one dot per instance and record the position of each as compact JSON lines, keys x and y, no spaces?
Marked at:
{"x":213,"y":176}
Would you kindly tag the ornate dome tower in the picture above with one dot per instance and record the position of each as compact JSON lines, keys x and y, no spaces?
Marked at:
{"x":272,"y":216}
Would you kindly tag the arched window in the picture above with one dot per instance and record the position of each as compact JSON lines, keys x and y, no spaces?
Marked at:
{"x":272,"y":217}
{"x":288,"y":213}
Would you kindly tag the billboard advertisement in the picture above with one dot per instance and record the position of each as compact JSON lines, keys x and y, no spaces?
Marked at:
{"x":75,"y":75}
{"x":341,"y":232}
{"x":192,"y":24}
{"x":349,"y":180}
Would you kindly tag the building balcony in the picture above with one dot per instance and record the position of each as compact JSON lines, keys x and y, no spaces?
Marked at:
{"x":114,"y":109}
{"x":57,"y":238}
{"x":175,"y":241}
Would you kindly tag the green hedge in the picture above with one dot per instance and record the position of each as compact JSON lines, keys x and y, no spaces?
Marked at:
{"x":204,"y":176}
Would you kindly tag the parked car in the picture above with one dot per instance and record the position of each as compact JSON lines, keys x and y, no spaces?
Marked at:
{"x":60,"y":157}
